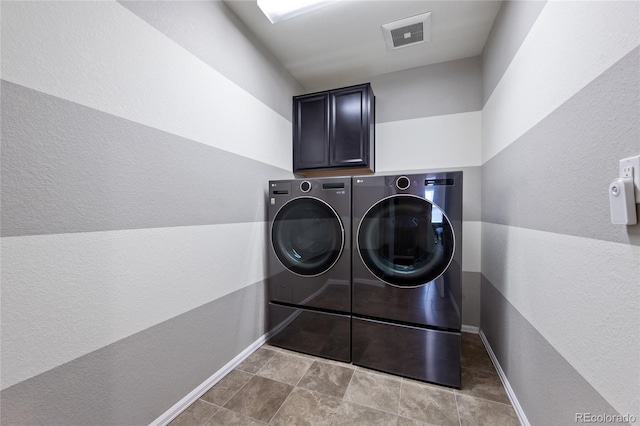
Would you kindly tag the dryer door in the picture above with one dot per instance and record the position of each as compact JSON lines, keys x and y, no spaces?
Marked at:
{"x":307,"y":236}
{"x":406,"y":240}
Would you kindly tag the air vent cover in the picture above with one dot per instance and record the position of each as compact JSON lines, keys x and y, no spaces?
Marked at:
{"x":408,"y":31}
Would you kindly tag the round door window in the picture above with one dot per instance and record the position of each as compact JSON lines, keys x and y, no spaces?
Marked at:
{"x":406,"y":241}
{"x":307,"y":236}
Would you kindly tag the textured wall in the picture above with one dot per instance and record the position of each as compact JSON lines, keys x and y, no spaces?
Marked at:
{"x":124,"y":136}
{"x":135,"y":155}
{"x":560,"y":282}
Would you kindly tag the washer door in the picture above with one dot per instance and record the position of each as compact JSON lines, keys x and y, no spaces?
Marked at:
{"x":307,"y":236}
{"x":406,"y":241}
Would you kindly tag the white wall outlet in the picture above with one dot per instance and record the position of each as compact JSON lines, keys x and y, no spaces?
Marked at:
{"x":630,"y":168}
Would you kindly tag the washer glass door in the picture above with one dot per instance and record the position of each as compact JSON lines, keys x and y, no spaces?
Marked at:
{"x":406,"y":240}
{"x":307,"y":236}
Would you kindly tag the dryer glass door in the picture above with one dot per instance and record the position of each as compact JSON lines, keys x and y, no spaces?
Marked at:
{"x":307,"y":236}
{"x":406,"y":240}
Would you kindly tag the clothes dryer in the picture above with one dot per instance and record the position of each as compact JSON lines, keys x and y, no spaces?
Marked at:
{"x":309,"y":266}
{"x":407,"y":236}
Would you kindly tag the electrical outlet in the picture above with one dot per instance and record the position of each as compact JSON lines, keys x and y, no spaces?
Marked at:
{"x":630,"y":168}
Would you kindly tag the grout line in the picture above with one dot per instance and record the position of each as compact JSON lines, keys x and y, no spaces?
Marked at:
{"x":243,"y":416}
{"x":367,"y":406}
{"x":455,"y":395}
{"x":457,"y":392}
{"x":264,"y":365}
{"x":349,"y":385}
{"x":429,"y":385}
{"x":305,"y":373}
{"x":239,"y":389}
{"x":282,"y":405}
{"x":211,"y":416}
{"x":399,"y":396}
{"x":372,"y":408}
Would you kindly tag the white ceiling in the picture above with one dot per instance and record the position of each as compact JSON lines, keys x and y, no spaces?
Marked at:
{"x":343,"y":42}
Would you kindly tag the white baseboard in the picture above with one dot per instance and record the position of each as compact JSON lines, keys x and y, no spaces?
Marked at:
{"x":193,"y":396}
{"x":470,"y":329}
{"x":507,"y":386}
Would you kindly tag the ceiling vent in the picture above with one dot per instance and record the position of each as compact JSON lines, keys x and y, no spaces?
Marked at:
{"x":408,"y":31}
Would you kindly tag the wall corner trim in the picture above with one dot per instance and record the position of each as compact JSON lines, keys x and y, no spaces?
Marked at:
{"x":173,"y":412}
{"x":507,"y":386}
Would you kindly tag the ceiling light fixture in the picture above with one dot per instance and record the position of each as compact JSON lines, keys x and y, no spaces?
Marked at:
{"x":279,"y":10}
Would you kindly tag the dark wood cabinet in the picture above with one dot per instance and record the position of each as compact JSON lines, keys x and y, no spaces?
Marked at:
{"x":334,"y":131}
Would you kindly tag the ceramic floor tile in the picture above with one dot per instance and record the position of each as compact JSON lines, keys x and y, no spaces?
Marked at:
{"x":377,"y":372}
{"x":286,"y":368}
{"x":472,"y":340}
{"x":227,"y":387}
{"x":305,"y":407}
{"x":270,"y":347}
{"x":256,"y":360}
{"x":480,"y":412}
{"x":427,"y":384}
{"x":351,"y":414}
{"x":474,"y":355}
{"x":428,"y":404}
{"x":300,"y":354}
{"x":335,"y":362}
{"x":226,"y":417}
{"x":483,"y":384}
{"x":378,"y":391}
{"x":297,"y":389}
{"x":196,"y":415}
{"x":260,"y":398}
{"x":404,"y":421}
{"x":330,"y":379}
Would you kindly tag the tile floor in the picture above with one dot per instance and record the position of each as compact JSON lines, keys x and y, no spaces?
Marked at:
{"x":278,"y":387}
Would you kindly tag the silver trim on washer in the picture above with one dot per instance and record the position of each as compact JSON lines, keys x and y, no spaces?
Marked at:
{"x":357,"y":242}
{"x":337,"y":216}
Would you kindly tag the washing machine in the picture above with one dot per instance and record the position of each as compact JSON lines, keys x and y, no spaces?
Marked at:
{"x":309,"y":266}
{"x":407,"y":275}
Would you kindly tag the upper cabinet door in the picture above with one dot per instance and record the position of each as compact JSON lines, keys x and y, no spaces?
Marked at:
{"x":311,"y":132}
{"x":334,"y":131}
{"x":349,"y":134}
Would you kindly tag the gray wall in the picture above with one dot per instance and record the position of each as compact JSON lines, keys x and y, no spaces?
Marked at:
{"x":440,"y":89}
{"x":216,"y":36}
{"x":133,"y":216}
{"x":129,"y":259}
{"x":136,"y":379}
{"x":124,"y":130}
{"x":559,"y":282}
